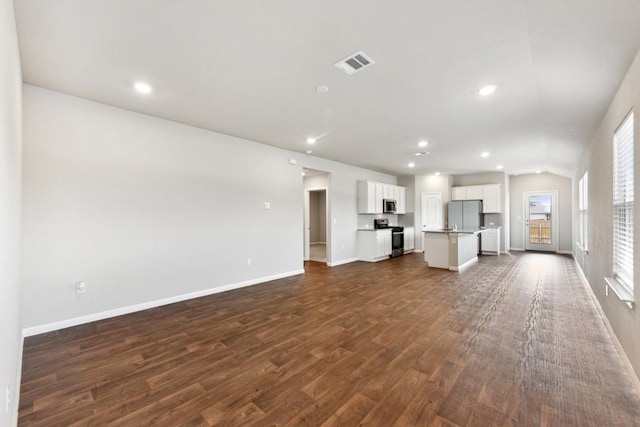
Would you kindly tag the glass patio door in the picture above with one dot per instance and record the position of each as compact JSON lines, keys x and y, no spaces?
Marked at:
{"x":540,"y":221}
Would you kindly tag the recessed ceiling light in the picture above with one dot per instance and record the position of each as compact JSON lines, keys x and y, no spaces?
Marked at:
{"x":142,"y":87}
{"x":423,"y":144}
{"x":499,"y":167}
{"x":437,"y":174}
{"x":485,"y":154}
{"x":411,"y":165}
{"x":322,"y":89}
{"x":309,"y":151}
{"x":304,"y":173}
{"x":311,"y":140}
{"x":422,"y":153}
{"x":538,"y":171}
{"x":487,"y":90}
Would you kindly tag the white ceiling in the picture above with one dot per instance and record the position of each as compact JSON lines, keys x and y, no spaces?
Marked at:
{"x":249,"y":68}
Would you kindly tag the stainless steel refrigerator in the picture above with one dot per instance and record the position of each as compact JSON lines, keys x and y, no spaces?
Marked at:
{"x":466,"y":214}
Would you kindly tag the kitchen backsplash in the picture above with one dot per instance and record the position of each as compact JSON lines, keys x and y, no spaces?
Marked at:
{"x":406,"y":220}
{"x":366,"y":221}
{"x":492,"y":219}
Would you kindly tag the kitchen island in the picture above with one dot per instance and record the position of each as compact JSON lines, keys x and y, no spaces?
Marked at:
{"x":451,"y":249}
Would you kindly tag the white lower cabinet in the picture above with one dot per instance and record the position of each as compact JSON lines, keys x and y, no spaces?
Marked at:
{"x":490,"y":241}
{"x":409,"y":239}
{"x":374,"y":245}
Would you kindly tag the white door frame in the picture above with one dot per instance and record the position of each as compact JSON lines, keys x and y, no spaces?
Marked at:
{"x":307,"y":243}
{"x":554,"y":221}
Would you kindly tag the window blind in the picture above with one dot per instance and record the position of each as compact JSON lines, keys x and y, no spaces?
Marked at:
{"x":623,"y":203}
{"x":583,"y":207}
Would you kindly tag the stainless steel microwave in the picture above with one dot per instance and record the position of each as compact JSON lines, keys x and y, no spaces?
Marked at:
{"x":388,"y":206}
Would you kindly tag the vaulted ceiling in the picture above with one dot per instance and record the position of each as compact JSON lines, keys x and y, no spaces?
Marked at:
{"x":250,"y":68}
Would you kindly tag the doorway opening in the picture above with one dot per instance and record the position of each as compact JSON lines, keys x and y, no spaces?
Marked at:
{"x":541,"y":219}
{"x":316,"y":224}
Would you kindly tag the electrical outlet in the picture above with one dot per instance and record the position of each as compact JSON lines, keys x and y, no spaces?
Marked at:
{"x":249,"y":261}
{"x":81,"y":288}
{"x":7,"y":405}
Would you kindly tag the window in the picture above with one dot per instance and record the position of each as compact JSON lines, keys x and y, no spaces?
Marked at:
{"x":583,"y":208}
{"x":623,"y":203}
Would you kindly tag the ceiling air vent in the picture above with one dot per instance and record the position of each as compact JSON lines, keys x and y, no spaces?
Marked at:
{"x":355,"y":62}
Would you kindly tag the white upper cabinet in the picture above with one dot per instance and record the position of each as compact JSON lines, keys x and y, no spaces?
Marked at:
{"x":475,"y":192}
{"x":371,"y":194}
{"x":368,"y":194}
{"x":458,"y":193}
{"x":386,"y":191}
{"x":379,"y":197}
{"x":491,"y":199}
{"x":394,"y":192}
{"x":469,"y":192}
{"x":401,"y":207}
{"x":488,"y":193}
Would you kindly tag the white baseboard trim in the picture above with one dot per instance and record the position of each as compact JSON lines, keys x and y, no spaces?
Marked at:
{"x":318,"y":243}
{"x":565,"y":252}
{"x":48,"y":327}
{"x":517,"y":249}
{"x":342,"y":261}
{"x":461,"y":267}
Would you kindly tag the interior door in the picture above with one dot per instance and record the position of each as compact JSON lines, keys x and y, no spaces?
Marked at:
{"x":541,"y":219}
{"x":431,"y":210}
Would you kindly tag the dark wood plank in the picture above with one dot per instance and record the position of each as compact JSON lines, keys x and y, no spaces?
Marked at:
{"x":512,"y":340}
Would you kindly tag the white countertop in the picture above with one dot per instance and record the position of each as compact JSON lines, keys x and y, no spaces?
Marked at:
{"x":460,"y":231}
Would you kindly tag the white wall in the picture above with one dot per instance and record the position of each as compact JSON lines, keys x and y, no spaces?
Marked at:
{"x":597,"y":264}
{"x":146,"y":210}
{"x":10,"y":172}
{"x":541,"y":182}
{"x":322,"y":216}
{"x":316,"y":181}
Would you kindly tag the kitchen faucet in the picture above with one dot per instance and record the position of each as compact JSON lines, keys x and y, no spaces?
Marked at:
{"x":450,"y":226}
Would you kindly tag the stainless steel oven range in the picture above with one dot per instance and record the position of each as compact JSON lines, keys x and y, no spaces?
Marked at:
{"x":397,"y":235}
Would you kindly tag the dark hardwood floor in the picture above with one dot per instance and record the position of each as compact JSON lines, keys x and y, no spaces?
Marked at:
{"x":512,"y":340}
